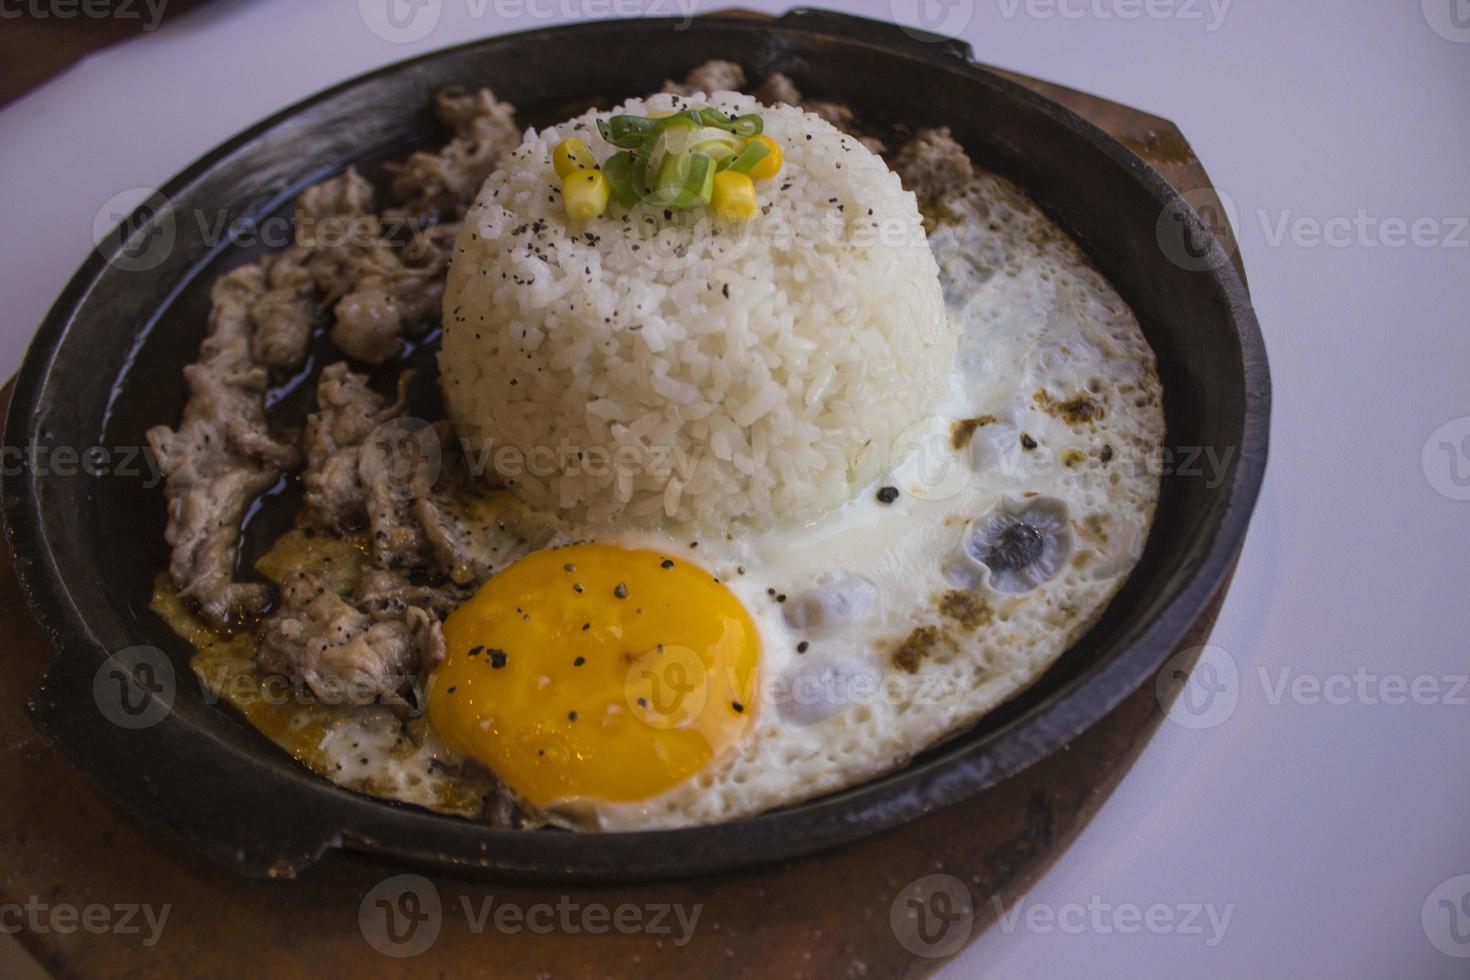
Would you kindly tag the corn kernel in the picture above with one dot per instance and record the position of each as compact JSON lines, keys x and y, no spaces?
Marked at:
{"x":572,"y":154}
{"x":734,"y":195}
{"x":770,"y":164}
{"x":585,"y":193}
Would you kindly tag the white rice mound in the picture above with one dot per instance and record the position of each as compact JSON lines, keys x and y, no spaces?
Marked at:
{"x":634,"y":370}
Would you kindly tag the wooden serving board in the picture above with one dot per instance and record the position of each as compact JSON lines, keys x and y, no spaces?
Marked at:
{"x":827,"y":916}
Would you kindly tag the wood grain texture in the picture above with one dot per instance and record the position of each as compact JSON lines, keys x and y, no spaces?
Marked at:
{"x":825,"y":916}
{"x":43,"y":42}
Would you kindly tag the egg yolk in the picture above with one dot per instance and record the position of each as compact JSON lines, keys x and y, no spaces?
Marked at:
{"x":596,"y":672}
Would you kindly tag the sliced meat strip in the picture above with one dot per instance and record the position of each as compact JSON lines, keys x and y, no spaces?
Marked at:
{"x":712,"y":76}
{"x":369,"y":325}
{"x":221,"y":457}
{"x":388,"y":299}
{"x":362,"y":470}
{"x":347,"y":195}
{"x":932,"y":165}
{"x":283,"y":315}
{"x":398,"y":465}
{"x":332,"y":214}
{"x":347,"y":412}
{"x":350,"y":260}
{"x":382,"y":289}
{"x":341,"y":652}
{"x":475,"y":535}
{"x":432,"y":185}
{"x":780,"y":88}
{"x":383,"y":593}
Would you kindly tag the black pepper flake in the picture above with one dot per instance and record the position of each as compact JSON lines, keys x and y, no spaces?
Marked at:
{"x":586,"y":627}
{"x":780,"y":597}
{"x":739,"y":708}
{"x":666,"y":563}
{"x":571,"y":716}
{"x":476,"y":651}
{"x":642,"y":702}
{"x":579,"y":661}
{"x":569,"y":567}
{"x":725,"y":290}
{"x":497,"y":659}
{"x":1027,"y":442}
{"x":803,"y":646}
{"x":577,"y":587}
{"x":451,"y":689}
{"x":621,"y":591}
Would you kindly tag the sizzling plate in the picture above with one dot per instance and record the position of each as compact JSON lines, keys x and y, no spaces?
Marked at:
{"x":106,"y":365}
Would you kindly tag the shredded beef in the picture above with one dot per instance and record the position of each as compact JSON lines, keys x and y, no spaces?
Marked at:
{"x":712,"y":76}
{"x":221,"y":457}
{"x":341,"y":651}
{"x":932,"y":164}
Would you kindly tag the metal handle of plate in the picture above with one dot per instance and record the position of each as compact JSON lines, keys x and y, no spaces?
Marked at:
{"x":901,"y":37}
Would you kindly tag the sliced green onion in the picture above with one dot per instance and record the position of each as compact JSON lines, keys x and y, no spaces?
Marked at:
{"x":717,"y":144}
{"x":627,"y":132}
{"x":618,"y":171}
{"x":676,"y":138}
{"x":744,"y":161}
{"x":684,"y":180}
{"x":748,"y":125}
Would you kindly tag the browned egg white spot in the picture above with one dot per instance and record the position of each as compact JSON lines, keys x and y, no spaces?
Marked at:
{"x":963,"y":430}
{"x":1078,"y":410}
{"x":966,"y":608}
{"x":910,"y":653}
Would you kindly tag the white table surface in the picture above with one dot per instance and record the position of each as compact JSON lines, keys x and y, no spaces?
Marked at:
{"x":1320,"y":823}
